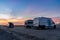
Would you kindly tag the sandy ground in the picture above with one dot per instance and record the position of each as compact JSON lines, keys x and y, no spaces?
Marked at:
{"x":31,"y":34}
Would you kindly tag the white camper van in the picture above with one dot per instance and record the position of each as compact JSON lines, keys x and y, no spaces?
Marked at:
{"x":43,"y":23}
{"x":28,"y":23}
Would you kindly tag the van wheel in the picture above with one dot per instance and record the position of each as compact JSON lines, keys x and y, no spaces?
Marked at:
{"x":39,"y":27}
{"x":29,"y":26}
{"x":26,"y":26}
{"x":43,"y":26}
{"x":54,"y":26}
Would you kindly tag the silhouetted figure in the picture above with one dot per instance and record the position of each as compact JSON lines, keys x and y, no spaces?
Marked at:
{"x":11,"y":25}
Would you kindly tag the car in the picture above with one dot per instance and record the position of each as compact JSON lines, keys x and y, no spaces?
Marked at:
{"x":29,"y":23}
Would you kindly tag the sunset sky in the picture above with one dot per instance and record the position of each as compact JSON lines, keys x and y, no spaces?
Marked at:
{"x":18,"y":11}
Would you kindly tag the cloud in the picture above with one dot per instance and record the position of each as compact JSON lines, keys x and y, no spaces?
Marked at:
{"x":32,"y":12}
{"x":5,"y":12}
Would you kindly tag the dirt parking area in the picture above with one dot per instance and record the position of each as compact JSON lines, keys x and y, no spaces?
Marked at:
{"x":7,"y":36}
{"x":32,"y":34}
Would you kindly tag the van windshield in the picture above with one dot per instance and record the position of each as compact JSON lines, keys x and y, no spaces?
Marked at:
{"x":30,"y":22}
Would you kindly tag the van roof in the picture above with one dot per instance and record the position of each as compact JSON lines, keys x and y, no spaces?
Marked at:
{"x":43,"y":17}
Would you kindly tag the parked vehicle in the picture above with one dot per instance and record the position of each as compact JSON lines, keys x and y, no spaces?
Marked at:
{"x":43,"y":23}
{"x":28,"y":23}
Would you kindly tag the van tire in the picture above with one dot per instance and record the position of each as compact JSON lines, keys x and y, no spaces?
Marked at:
{"x":39,"y":27}
{"x":43,"y":26}
{"x":28,"y":27}
{"x":54,"y":27}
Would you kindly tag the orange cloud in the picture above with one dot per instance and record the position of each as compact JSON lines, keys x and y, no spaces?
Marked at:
{"x":21,"y":21}
{"x":15,"y":21}
{"x":56,"y":20}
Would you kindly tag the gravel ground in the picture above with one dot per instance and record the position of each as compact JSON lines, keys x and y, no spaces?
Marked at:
{"x":7,"y":36}
{"x":32,"y":34}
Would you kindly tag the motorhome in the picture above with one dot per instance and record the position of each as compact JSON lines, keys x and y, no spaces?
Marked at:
{"x":43,"y":23}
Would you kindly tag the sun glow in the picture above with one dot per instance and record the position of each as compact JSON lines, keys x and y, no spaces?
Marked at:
{"x":12,"y":20}
{"x":18,"y":21}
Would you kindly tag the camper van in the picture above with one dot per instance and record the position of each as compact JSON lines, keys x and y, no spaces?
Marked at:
{"x":28,"y":23}
{"x":43,"y":23}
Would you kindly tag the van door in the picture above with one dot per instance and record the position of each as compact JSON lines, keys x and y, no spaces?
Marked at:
{"x":49,"y":23}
